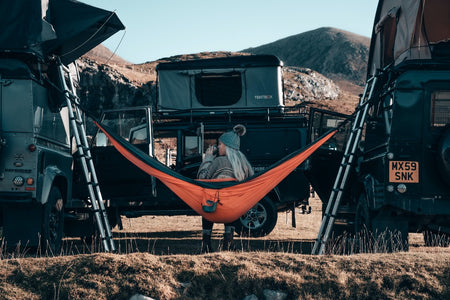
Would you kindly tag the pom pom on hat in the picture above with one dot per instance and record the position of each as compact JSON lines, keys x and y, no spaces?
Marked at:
{"x":231,"y":138}
{"x":239,"y":129}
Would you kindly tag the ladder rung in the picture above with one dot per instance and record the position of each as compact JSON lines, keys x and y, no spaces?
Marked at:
{"x":356,"y":129}
{"x":347,"y":155}
{"x":330,"y":215}
{"x":86,"y":156}
{"x":74,"y":98}
{"x":92,"y":183}
{"x":82,"y":147}
{"x":345,"y":164}
{"x":78,"y":121}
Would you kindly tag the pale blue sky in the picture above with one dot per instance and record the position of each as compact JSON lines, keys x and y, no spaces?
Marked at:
{"x":162,"y":28}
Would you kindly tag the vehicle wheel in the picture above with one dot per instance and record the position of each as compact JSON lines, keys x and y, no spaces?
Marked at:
{"x":112,"y":217}
{"x":363,"y":229}
{"x":340,"y":238}
{"x":53,"y":222}
{"x":390,"y":231}
{"x":259,"y":221}
{"x":435,"y":239}
{"x":443,"y":156}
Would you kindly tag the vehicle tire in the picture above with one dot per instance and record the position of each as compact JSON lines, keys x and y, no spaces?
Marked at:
{"x":443,"y":156}
{"x":53,"y":222}
{"x":259,"y":221}
{"x":435,"y":239}
{"x":340,"y":238}
{"x":390,"y":232}
{"x":112,"y":217}
{"x":363,"y":229}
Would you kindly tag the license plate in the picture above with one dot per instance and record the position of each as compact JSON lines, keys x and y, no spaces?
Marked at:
{"x":404,"y":171}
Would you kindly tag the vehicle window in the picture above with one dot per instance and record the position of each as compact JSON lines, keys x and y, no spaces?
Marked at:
{"x":440,"y":108}
{"x":130,"y":125}
{"x":47,"y":122}
{"x":323,"y":122}
{"x":388,"y":37}
{"x":191,"y":146}
{"x":138,"y":134}
{"x":221,"y":89}
{"x":50,"y":125}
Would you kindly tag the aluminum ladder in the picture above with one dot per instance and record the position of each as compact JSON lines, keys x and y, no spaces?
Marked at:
{"x":345,"y":167}
{"x":79,"y":133}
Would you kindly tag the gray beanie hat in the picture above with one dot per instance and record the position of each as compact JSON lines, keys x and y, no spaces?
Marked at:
{"x":232,"y":138}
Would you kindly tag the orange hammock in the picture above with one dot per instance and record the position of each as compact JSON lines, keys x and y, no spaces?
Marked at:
{"x":231,"y":199}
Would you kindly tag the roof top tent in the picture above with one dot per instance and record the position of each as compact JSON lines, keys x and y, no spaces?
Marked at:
{"x":65,"y":28}
{"x":406,"y":30}
{"x":205,"y":86}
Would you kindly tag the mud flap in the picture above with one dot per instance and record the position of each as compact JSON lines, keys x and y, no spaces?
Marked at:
{"x":390,"y":232}
{"x":22,"y":225}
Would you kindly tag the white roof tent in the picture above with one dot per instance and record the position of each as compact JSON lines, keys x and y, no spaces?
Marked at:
{"x":219,"y":84}
{"x":409,"y":30}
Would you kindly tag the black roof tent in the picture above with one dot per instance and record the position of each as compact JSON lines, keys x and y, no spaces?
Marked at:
{"x":243,"y":61}
{"x":66,"y":28}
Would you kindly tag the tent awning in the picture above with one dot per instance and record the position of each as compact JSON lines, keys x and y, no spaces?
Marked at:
{"x":66,"y":28}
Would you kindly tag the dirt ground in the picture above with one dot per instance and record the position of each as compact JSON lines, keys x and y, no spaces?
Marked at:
{"x":169,"y":235}
{"x":159,"y":257}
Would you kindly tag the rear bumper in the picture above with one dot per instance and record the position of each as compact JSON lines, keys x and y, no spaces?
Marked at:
{"x":12,"y":198}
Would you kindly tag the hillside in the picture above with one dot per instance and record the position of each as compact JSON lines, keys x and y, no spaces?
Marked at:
{"x":335,"y":53}
{"x":324,"y":68}
{"x":103,"y":55}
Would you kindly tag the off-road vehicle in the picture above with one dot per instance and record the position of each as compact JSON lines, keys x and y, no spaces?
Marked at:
{"x":39,"y":39}
{"x":399,"y":177}
{"x":197,"y":101}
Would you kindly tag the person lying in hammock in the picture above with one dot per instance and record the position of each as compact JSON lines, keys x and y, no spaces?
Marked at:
{"x":230,"y":162}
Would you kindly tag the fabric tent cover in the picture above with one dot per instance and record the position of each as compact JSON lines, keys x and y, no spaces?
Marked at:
{"x":233,"y":198}
{"x":260,"y":77}
{"x":408,"y":30}
{"x":66,"y":28}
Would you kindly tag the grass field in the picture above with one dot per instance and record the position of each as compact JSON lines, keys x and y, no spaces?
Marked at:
{"x":160,"y":257}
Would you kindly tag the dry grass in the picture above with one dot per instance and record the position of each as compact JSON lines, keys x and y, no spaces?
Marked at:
{"x":228,"y":275}
{"x":159,"y":257}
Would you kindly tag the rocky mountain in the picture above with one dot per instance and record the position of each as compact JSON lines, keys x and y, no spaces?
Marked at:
{"x":335,"y":53}
{"x":321,"y":67}
{"x":104,"y":86}
{"x":103,"y":55}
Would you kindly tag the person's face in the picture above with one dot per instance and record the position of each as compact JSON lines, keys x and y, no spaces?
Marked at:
{"x":221,"y":148}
